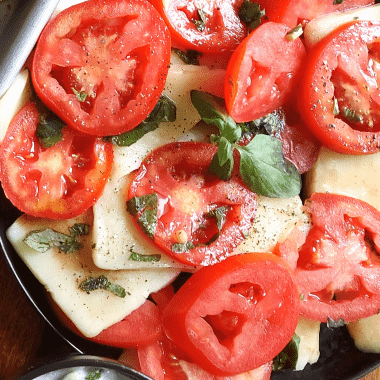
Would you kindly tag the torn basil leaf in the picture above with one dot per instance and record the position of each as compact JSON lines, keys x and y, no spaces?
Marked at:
{"x":182,"y":247}
{"x":79,"y":229}
{"x":220,"y":214}
{"x":49,"y":129}
{"x":144,"y":258}
{"x":92,"y":283}
{"x":288,"y":357}
{"x":222,"y":171}
{"x":164,"y":111}
{"x":190,"y":57}
{"x":43,"y":240}
{"x":250,"y":14}
{"x":145,"y":208}
{"x":81,"y":95}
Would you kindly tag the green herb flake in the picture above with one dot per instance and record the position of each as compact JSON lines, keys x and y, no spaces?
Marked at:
{"x":190,"y":57}
{"x":220,"y":213}
{"x":90,"y":284}
{"x":352,"y":116}
{"x":49,"y":130}
{"x":200,"y":23}
{"x":336,"y":2}
{"x":288,"y":357}
{"x":331,"y":324}
{"x":94,"y":375}
{"x":134,"y":256}
{"x":43,"y":240}
{"x":81,"y":95}
{"x":145,"y":208}
{"x":250,"y":14}
{"x":182,"y":247}
{"x":294,"y":33}
{"x":164,"y":111}
{"x":79,"y":229}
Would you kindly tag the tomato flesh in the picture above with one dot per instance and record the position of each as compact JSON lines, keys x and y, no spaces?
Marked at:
{"x":338,"y":268}
{"x":188,"y":199}
{"x":58,"y":182}
{"x":90,"y":68}
{"x":252,"y":297}
{"x":339,"y":96}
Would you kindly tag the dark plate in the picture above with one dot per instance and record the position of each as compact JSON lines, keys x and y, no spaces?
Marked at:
{"x":339,"y":359}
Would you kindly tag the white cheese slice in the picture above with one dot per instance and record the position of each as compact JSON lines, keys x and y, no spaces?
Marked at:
{"x":114,"y":233}
{"x":320,"y":27}
{"x":14,"y":99}
{"x":366,"y":333}
{"x":62,"y":273}
{"x":355,"y":176}
{"x":308,"y":332}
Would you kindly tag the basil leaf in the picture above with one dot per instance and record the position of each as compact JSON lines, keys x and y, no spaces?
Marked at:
{"x":90,"y":284}
{"x":144,"y":258}
{"x":79,"y":229}
{"x":220,"y":214}
{"x":338,"y":2}
{"x":265,"y":170}
{"x":288,"y":357}
{"x":94,"y":375}
{"x":250,"y":14}
{"x":49,"y":130}
{"x":81,"y":95}
{"x":223,"y":172}
{"x":191,"y":57}
{"x":182,"y":247}
{"x":145,"y":208}
{"x":43,"y":240}
{"x":164,"y":111}
{"x":224,"y":151}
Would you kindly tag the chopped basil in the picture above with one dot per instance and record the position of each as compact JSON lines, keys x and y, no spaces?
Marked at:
{"x":294,"y":33}
{"x":145,"y":208}
{"x":288,"y":357}
{"x":101,"y":282}
{"x":42,"y":240}
{"x":144,"y":258}
{"x":263,"y":166}
{"x":200,"y":23}
{"x":49,"y":129}
{"x":331,"y":324}
{"x":94,"y":375}
{"x":189,"y":56}
{"x":79,"y":229}
{"x":81,"y":95}
{"x":351,"y":115}
{"x":182,"y":247}
{"x":220,"y":214}
{"x":164,"y":111}
{"x":250,"y":14}
{"x":340,"y":2}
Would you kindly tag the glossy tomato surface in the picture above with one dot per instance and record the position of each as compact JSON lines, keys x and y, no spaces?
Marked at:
{"x":57,"y":182}
{"x":339,"y":93}
{"x":224,"y":312}
{"x":191,"y":214}
{"x":262,"y":72}
{"x":101,"y":66}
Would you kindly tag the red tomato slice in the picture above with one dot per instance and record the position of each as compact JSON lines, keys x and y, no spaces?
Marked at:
{"x":294,"y":12}
{"x":183,"y":200}
{"x":257,"y":298}
{"x":58,"y":182}
{"x":262,"y":72}
{"x":338,"y":269}
{"x":222,"y":30}
{"x":340,"y":96}
{"x":101,"y":66}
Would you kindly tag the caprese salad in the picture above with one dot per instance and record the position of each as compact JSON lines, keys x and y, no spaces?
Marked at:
{"x":200,"y":177}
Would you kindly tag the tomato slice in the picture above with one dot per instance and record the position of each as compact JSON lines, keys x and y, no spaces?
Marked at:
{"x":101,"y":66}
{"x":203,"y":25}
{"x":188,"y":212}
{"x":338,"y":269}
{"x":339,"y":95}
{"x":59,"y":182}
{"x":262,"y":72}
{"x":255,"y":299}
{"x":294,"y":12}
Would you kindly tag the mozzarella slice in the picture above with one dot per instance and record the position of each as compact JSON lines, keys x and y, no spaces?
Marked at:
{"x":115,"y":235}
{"x":61,"y":273}
{"x":320,"y":27}
{"x":366,"y":333}
{"x":308,"y":332}
{"x":14,"y":99}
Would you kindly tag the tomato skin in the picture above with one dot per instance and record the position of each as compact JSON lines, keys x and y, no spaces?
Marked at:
{"x":60,"y":182}
{"x":121,"y":76}
{"x":335,"y":75}
{"x":293,"y":12}
{"x":259,"y":288}
{"x":338,"y":267}
{"x":223,"y":29}
{"x":262,"y":72}
{"x":187,"y":193}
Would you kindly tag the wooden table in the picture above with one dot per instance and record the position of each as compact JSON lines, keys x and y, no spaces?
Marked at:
{"x":24,"y":335}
